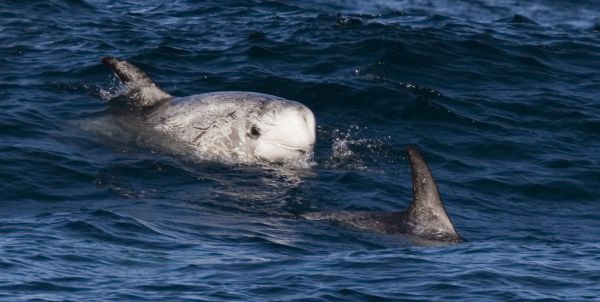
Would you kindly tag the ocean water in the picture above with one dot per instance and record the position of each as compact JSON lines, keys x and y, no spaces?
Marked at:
{"x":501,"y":97}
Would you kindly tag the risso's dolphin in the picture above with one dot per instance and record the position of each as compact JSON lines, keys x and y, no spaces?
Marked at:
{"x":235,"y":126}
{"x":425,"y":218}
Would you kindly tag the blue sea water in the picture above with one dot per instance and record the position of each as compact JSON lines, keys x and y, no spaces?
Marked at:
{"x":501,"y":97}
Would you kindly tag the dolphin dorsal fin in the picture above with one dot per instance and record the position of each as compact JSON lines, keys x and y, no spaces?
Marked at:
{"x":426,"y":214}
{"x":425,"y":218}
{"x":142,"y":91}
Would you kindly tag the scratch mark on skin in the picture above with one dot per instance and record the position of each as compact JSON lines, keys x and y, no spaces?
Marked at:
{"x":232,"y":115}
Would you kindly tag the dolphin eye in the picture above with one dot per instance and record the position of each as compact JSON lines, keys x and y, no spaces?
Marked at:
{"x":254,"y":131}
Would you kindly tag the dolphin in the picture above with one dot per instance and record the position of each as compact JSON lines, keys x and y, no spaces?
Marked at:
{"x":426,"y":218}
{"x":233,"y":126}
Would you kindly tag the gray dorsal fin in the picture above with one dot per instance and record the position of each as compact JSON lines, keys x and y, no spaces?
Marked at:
{"x":426,"y":214}
{"x":425,"y":218}
{"x":142,"y":91}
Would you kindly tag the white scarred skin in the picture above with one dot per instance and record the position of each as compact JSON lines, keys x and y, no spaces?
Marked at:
{"x":240,"y":126}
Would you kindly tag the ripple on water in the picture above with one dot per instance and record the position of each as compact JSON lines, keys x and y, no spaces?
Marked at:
{"x":500,"y":97}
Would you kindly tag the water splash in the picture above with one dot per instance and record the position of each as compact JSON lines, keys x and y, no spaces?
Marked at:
{"x":352,"y":150}
{"x":115,"y":89}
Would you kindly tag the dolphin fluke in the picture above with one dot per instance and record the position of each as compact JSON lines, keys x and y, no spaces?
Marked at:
{"x":425,"y":218}
{"x":142,"y":91}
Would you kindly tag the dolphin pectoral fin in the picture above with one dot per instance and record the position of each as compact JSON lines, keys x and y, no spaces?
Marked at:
{"x":426,"y":216}
{"x":142,"y":91}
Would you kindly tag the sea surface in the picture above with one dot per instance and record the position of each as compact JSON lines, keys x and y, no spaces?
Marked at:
{"x":501,"y":97}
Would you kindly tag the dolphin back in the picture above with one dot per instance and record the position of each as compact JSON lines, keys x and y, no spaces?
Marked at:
{"x":141,"y":90}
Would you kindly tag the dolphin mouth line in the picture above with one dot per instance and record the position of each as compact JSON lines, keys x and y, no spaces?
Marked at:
{"x":288,"y":147}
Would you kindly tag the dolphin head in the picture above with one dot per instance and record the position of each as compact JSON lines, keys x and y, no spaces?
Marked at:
{"x":283,"y":132}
